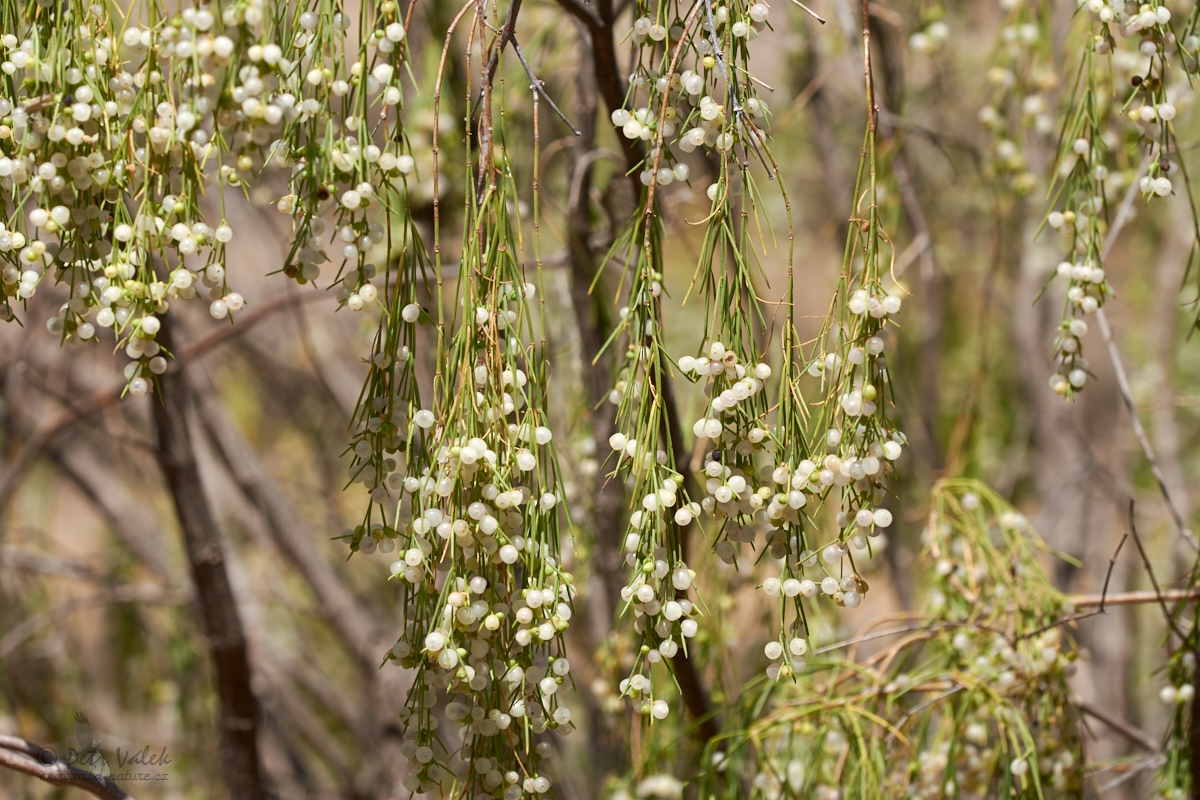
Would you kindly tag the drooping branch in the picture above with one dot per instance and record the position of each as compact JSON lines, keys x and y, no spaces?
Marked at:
{"x":594,"y":332}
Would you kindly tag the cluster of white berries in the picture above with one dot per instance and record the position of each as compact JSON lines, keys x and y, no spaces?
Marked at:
{"x":973,"y":763}
{"x":837,"y":471}
{"x":1178,"y":695}
{"x":859,"y":402}
{"x":1087,"y":285}
{"x":734,"y":497}
{"x":665,"y":618}
{"x":497,"y":394}
{"x":1020,"y":82}
{"x":1159,"y":186}
{"x":966,"y":745}
{"x":471,"y":482}
{"x":1183,"y":694}
{"x":369,"y":172}
{"x":489,"y":600}
{"x":877,"y":306}
{"x":357,"y":238}
{"x":787,"y":659}
{"x":123,"y":295}
{"x":487,"y":773}
{"x":931,"y":39}
{"x":861,"y":446}
{"x":737,"y":430}
{"x":1146,"y":64}
{"x":99,"y":116}
{"x":657,"y":590}
{"x":1148,"y":26}
{"x":1020,"y":669}
{"x":699,"y":118}
{"x":1149,"y":112}
{"x":747,"y":23}
{"x":1132,"y":18}
{"x":1087,"y":290}
{"x":730,"y":384}
{"x":736,"y":424}
{"x":659,"y":580}
{"x":1080,"y":221}
{"x":710,"y":126}
{"x":709,"y":104}
{"x":464,"y":459}
{"x":1046,"y":660}
{"x":466,"y":645}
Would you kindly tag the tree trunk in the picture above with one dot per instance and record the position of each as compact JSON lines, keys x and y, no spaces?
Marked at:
{"x":218,"y":609}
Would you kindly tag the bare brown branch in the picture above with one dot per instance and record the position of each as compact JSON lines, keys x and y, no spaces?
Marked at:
{"x":218,"y":607}
{"x":44,"y":764}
